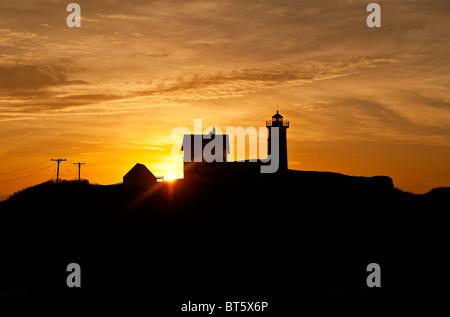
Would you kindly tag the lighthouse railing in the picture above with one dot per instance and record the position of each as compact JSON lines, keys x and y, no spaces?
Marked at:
{"x":269,"y":123}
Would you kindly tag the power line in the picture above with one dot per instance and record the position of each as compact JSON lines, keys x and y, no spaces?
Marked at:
{"x":69,"y":171}
{"x":26,"y":172}
{"x":41,"y":170}
{"x":19,"y":171}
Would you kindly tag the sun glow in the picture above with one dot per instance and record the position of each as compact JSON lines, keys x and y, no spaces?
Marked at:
{"x":170,"y":177}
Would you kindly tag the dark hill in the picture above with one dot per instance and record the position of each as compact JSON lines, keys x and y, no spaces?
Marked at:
{"x":297,"y":233}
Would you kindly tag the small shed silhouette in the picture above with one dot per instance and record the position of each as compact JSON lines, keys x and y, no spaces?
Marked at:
{"x":139,"y":176}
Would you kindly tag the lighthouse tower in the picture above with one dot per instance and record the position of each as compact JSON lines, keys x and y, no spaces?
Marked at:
{"x":282,"y":125}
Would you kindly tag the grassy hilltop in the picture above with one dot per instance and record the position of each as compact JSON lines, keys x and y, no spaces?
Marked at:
{"x":304,"y":233}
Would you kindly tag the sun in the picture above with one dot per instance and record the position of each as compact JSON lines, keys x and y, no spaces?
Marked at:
{"x":170,"y":177}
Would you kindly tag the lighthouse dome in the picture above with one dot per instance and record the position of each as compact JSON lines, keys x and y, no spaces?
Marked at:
{"x":277,"y":115}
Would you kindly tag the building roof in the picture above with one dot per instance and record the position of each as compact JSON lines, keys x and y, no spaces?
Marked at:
{"x":191,"y":139}
{"x":141,"y":168}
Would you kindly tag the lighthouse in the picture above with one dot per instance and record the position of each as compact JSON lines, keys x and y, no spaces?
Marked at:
{"x":282,"y":125}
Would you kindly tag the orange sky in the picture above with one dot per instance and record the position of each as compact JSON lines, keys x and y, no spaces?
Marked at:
{"x":361,"y":101}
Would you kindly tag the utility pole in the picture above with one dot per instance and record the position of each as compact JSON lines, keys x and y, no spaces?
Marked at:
{"x":79,"y":170}
{"x":57,"y":173}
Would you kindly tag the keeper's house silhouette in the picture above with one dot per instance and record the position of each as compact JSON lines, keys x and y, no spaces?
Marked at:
{"x":200,"y":165}
{"x":140,"y":176}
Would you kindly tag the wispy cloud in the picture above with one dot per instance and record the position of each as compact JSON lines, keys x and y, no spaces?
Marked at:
{"x":13,"y":38}
{"x":152,"y":55}
{"x":17,"y":79}
{"x":244,"y":81}
{"x":123,"y":17}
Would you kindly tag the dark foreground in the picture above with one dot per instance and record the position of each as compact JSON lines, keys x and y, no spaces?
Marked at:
{"x":301,"y":235}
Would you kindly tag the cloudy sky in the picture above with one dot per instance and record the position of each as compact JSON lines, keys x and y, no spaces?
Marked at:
{"x":361,"y":101}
